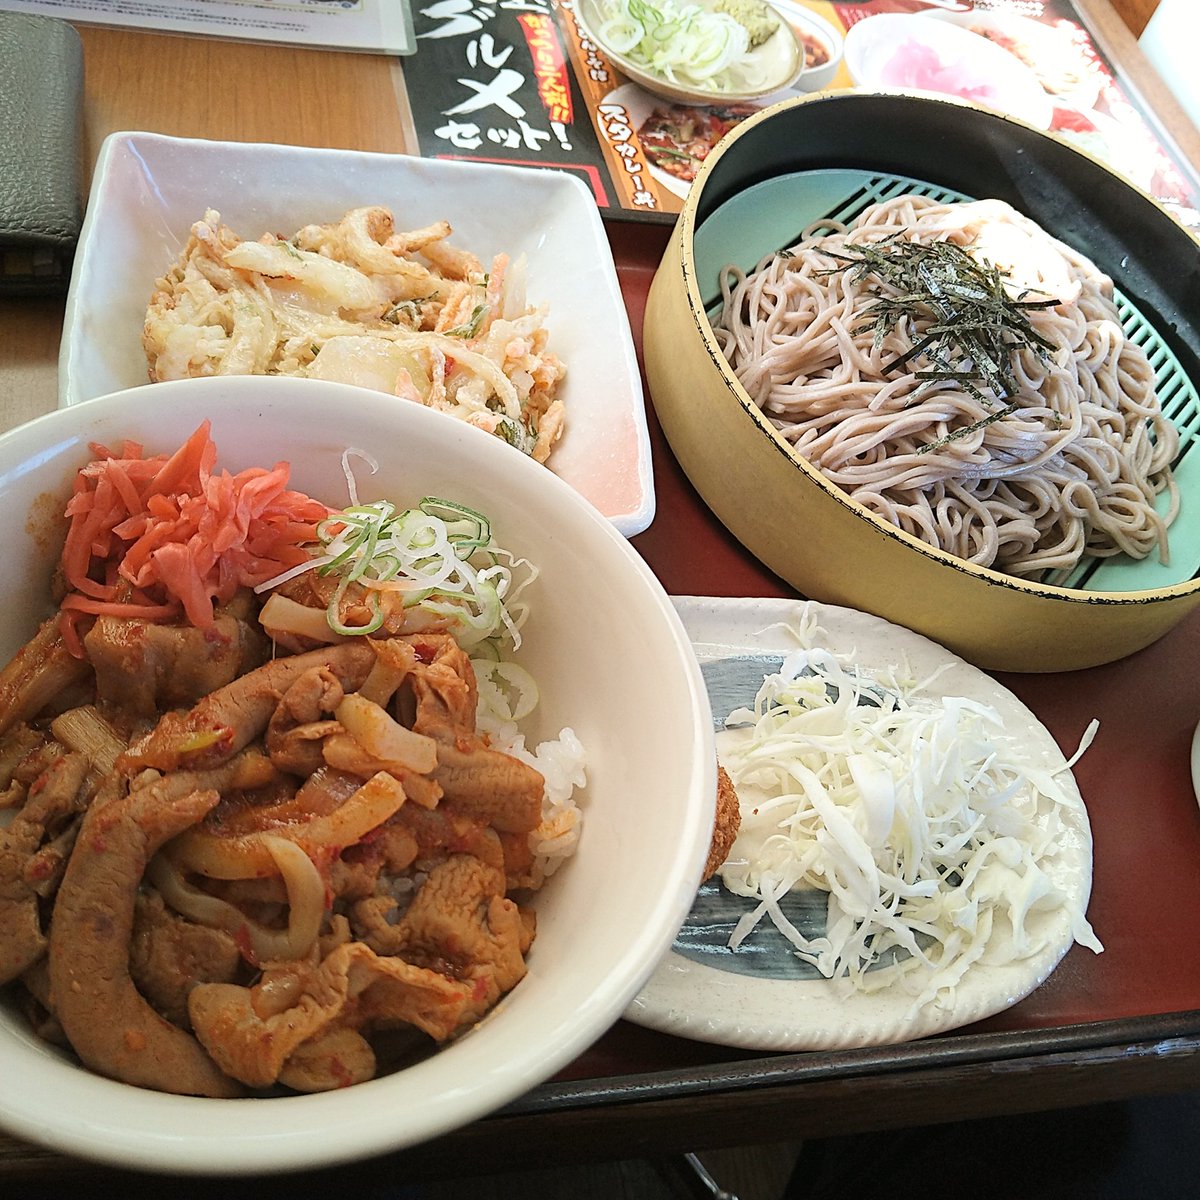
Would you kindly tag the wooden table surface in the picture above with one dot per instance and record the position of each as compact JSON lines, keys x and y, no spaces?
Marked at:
{"x":635,"y":1091}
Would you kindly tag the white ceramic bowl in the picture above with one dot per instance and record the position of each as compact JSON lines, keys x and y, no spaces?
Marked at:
{"x":779,"y":62}
{"x":613,"y":662}
{"x":915,"y":53}
{"x":148,"y":190}
{"x":808,"y":24}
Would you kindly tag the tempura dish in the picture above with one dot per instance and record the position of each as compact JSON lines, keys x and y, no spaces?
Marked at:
{"x":306,"y":794}
{"x":360,"y":301}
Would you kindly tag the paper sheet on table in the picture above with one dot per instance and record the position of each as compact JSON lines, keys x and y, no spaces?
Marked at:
{"x":381,"y":26}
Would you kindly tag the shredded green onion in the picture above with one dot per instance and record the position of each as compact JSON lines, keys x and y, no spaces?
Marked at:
{"x":440,"y":556}
{"x":682,"y":43}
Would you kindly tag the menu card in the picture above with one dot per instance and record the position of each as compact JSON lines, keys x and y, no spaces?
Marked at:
{"x":379,"y":26}
{"x":519,"y":81}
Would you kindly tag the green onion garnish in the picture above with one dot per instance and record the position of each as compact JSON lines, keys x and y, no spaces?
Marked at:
{"x":439,"y":556}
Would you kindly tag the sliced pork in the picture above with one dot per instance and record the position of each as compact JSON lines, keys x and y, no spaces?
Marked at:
{"x":144,"y":668}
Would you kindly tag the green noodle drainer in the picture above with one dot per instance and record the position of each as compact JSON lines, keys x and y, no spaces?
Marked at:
{"x":771,"y":215}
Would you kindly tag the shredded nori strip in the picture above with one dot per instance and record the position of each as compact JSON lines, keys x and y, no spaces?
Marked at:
{"x":977,"y":325}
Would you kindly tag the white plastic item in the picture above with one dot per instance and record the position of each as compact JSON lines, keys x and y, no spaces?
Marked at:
{"x":1169,"y":42}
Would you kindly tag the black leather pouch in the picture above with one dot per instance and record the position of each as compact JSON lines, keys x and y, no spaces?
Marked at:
{"x":41,"y":105}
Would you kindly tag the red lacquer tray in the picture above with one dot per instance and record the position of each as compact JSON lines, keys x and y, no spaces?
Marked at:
{"x":1124,"y":1023}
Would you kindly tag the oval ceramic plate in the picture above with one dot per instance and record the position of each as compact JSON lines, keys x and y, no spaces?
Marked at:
{"x":780,"y":59}
{"x":674,"y":134}
{"x":762,"y":997}
{"x":1196,"y":763}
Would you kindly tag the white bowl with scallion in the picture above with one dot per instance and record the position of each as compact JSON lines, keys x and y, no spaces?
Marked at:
{"x":608,"y":658}
{"x":703,"y":52}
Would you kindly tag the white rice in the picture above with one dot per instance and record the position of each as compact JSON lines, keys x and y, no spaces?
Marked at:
{"x":562,"y":763}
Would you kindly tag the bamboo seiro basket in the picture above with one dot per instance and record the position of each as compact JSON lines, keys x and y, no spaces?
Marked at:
{"x":830,"y":155}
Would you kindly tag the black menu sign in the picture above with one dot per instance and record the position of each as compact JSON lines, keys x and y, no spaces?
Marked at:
{"x":519,"y":81}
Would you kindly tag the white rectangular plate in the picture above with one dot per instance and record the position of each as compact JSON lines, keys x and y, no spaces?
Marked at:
{"x":149,"y":189}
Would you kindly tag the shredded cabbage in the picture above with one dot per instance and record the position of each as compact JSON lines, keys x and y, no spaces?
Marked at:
{"x":933,"y":834}
{"x":682,"y":43}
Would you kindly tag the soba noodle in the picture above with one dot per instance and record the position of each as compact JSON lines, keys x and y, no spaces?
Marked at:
{"x":1067,"y":463}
